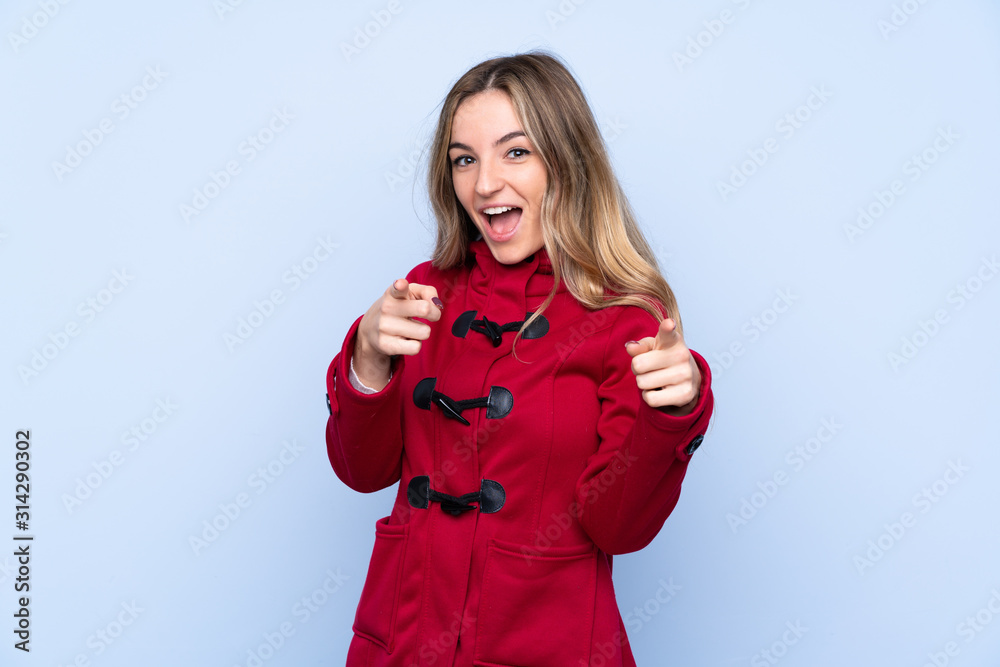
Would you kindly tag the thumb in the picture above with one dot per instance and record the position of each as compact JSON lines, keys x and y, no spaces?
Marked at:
{"x":637,"y":347}
{"x":667,"y":335}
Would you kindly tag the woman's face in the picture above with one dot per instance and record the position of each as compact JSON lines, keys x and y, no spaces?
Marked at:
{"x":498,"y":177}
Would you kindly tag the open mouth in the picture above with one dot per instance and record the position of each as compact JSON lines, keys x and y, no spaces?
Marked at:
{"x":502,"y":220}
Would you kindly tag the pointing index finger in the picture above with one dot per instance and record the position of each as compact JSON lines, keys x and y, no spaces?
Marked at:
{"x":667,"y":335}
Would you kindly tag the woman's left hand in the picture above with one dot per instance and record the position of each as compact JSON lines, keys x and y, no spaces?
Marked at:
{"x":665,"y":370}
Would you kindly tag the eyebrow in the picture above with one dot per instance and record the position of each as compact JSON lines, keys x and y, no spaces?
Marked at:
{"x":504,"y":139}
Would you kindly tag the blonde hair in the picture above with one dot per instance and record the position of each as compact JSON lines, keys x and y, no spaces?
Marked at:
{"x":588,"y":227}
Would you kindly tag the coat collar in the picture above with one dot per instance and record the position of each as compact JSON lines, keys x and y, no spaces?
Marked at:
{"x":531,"y":277}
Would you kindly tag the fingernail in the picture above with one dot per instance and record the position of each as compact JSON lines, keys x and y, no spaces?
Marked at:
{"x":437,"y":302}
{"x":630,"y":341}
{"x":393,"y":286}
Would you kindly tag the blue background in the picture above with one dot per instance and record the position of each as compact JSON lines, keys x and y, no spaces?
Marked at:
{"x":686,"y":92}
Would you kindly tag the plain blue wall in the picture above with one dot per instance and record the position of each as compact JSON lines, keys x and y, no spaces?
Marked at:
{"x":687,"y":92}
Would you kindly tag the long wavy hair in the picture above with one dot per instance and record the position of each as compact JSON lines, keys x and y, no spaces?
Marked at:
{"x":588,"y":227}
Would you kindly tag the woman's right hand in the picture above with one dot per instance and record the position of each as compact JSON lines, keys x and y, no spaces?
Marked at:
{"x":388,"y":329}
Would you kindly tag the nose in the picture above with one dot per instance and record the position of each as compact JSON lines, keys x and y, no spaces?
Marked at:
{"x":488,"y":180}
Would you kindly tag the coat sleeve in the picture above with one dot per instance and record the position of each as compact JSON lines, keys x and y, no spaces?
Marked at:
{"x":364,"y":437}
{"x":631,"y":484}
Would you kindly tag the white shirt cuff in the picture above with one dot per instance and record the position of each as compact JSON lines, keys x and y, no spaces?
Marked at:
{"x":358,"y":384}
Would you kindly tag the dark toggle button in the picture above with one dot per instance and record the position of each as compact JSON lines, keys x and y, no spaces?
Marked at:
{"x":467,"y":322}
{"x":493,"y":330}
{"x":449,"y":406}
{"x":498,"y":403}
{"x":489,"y":499}
{"x":694,"y":444}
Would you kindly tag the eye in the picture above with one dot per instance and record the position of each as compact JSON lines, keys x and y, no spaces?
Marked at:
{"x":518,"y":152}
{"x":463,"y":161}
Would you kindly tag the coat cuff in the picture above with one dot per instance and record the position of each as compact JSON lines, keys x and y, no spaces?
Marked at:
{"x":344,"y":391}
{"x":691,"y":426}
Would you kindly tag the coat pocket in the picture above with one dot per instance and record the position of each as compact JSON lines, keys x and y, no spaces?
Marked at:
{"x":536,"y":610}
{"x":376,"y":616}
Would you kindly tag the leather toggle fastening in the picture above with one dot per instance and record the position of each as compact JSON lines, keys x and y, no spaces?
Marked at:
{"x":494,"y":331}
{"x":488,"y":499}
{"x":498,"y":404}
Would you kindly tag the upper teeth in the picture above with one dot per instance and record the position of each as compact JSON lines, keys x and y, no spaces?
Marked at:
{"x":497,"y":210}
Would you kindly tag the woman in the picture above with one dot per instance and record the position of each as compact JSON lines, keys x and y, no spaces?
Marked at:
{"x":529,"y":388}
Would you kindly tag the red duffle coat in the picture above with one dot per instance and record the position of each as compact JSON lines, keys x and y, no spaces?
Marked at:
{"x":572,"y":465}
